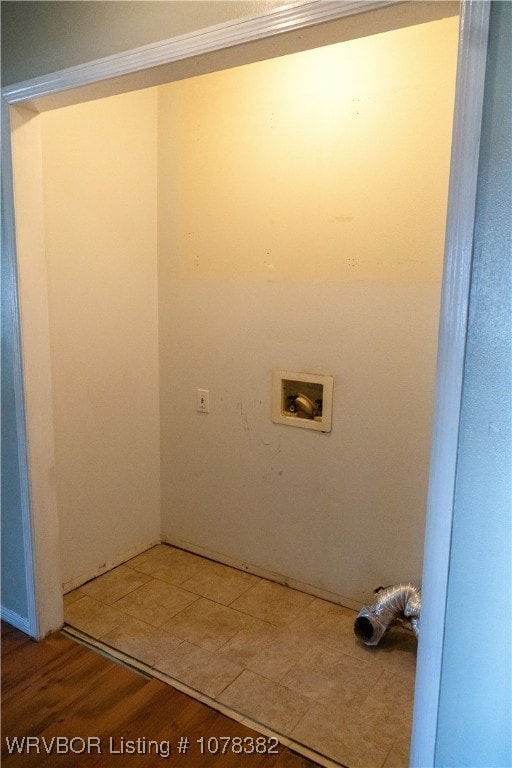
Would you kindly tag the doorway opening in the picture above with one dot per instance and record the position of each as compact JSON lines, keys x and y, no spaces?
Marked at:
{"x":292,"y":209}
{"x":294,"y":366}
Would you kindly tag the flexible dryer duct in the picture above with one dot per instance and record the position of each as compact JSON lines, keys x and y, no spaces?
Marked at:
{"x":399,"y":603}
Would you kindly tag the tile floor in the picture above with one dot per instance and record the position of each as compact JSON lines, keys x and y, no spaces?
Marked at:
{"x":261,"y":651}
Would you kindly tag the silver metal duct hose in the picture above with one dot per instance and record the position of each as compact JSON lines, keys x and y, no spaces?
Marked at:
{"x":399,"y":603}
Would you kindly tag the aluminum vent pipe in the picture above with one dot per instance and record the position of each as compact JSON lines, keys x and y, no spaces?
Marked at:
{"x":399,"y":603}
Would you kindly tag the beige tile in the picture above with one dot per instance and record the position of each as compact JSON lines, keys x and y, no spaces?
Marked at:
{"x":294,"y":760}
{"x":273,"y":654}
{"x":398,"y":757}
{"x":147,"y":556}
{"x":207,"y":624}
{"x":168,"y":564}
{"x":272,"y":602}
{"x":155,"y":602}
{"x":370,"y":657}
{"x":329,"y":677}
{"x":319,"y":609}
{"x":145,"y":562}
{"x":333,"y":625}
{"x":201,"y":669}
{"x":325,"y":622}
{"x":398,"y":650}
{"x":115,"y":584}
{"x":141,"y":641}
{"x":343,"y":735}
{"x":268,"y":650}
{"x":72,"y":597}
{"x":269,"y":703}
{"x":219,"y":582}
{"x":389,"y":703}
{"x":93,"y":617}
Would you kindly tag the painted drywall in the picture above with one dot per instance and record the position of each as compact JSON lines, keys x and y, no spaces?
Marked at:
{"x":301,"y":224}
{"x":475,"y":703}
{"x":83,"y":31}
{"x":100,"y":228}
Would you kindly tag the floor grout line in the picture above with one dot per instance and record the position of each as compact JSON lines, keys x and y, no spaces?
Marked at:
{"x":320,"y":634}
{"x":152,"y":672}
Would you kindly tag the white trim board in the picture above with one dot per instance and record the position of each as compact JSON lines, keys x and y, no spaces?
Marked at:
{"x":469,"y":93}
{"x":277,"y":21}
{"x":195,"y":53}
{"x":146,"y":66}
{"x":12,"y":618}
{"x":31,"y":621}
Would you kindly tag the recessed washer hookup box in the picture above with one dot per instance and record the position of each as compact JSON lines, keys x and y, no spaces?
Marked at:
{"x":302,"y":400}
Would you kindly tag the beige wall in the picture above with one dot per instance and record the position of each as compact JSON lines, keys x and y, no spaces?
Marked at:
{"x":301,"y":224}
{"x":282,"y":165}
{"x":100,"y":221}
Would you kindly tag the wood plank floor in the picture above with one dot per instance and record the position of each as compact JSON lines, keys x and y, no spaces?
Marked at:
{"x":61,"y":688}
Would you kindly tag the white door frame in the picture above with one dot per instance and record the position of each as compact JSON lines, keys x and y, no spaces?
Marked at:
{"x":30,"y":330}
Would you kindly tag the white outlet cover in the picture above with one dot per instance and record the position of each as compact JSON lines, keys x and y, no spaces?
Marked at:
{"x":307,"y":384}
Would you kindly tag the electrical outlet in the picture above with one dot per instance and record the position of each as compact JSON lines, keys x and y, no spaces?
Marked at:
{"x":203,"y":400}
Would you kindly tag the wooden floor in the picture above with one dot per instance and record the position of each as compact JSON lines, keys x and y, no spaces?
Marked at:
{"x":59,"y":688}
